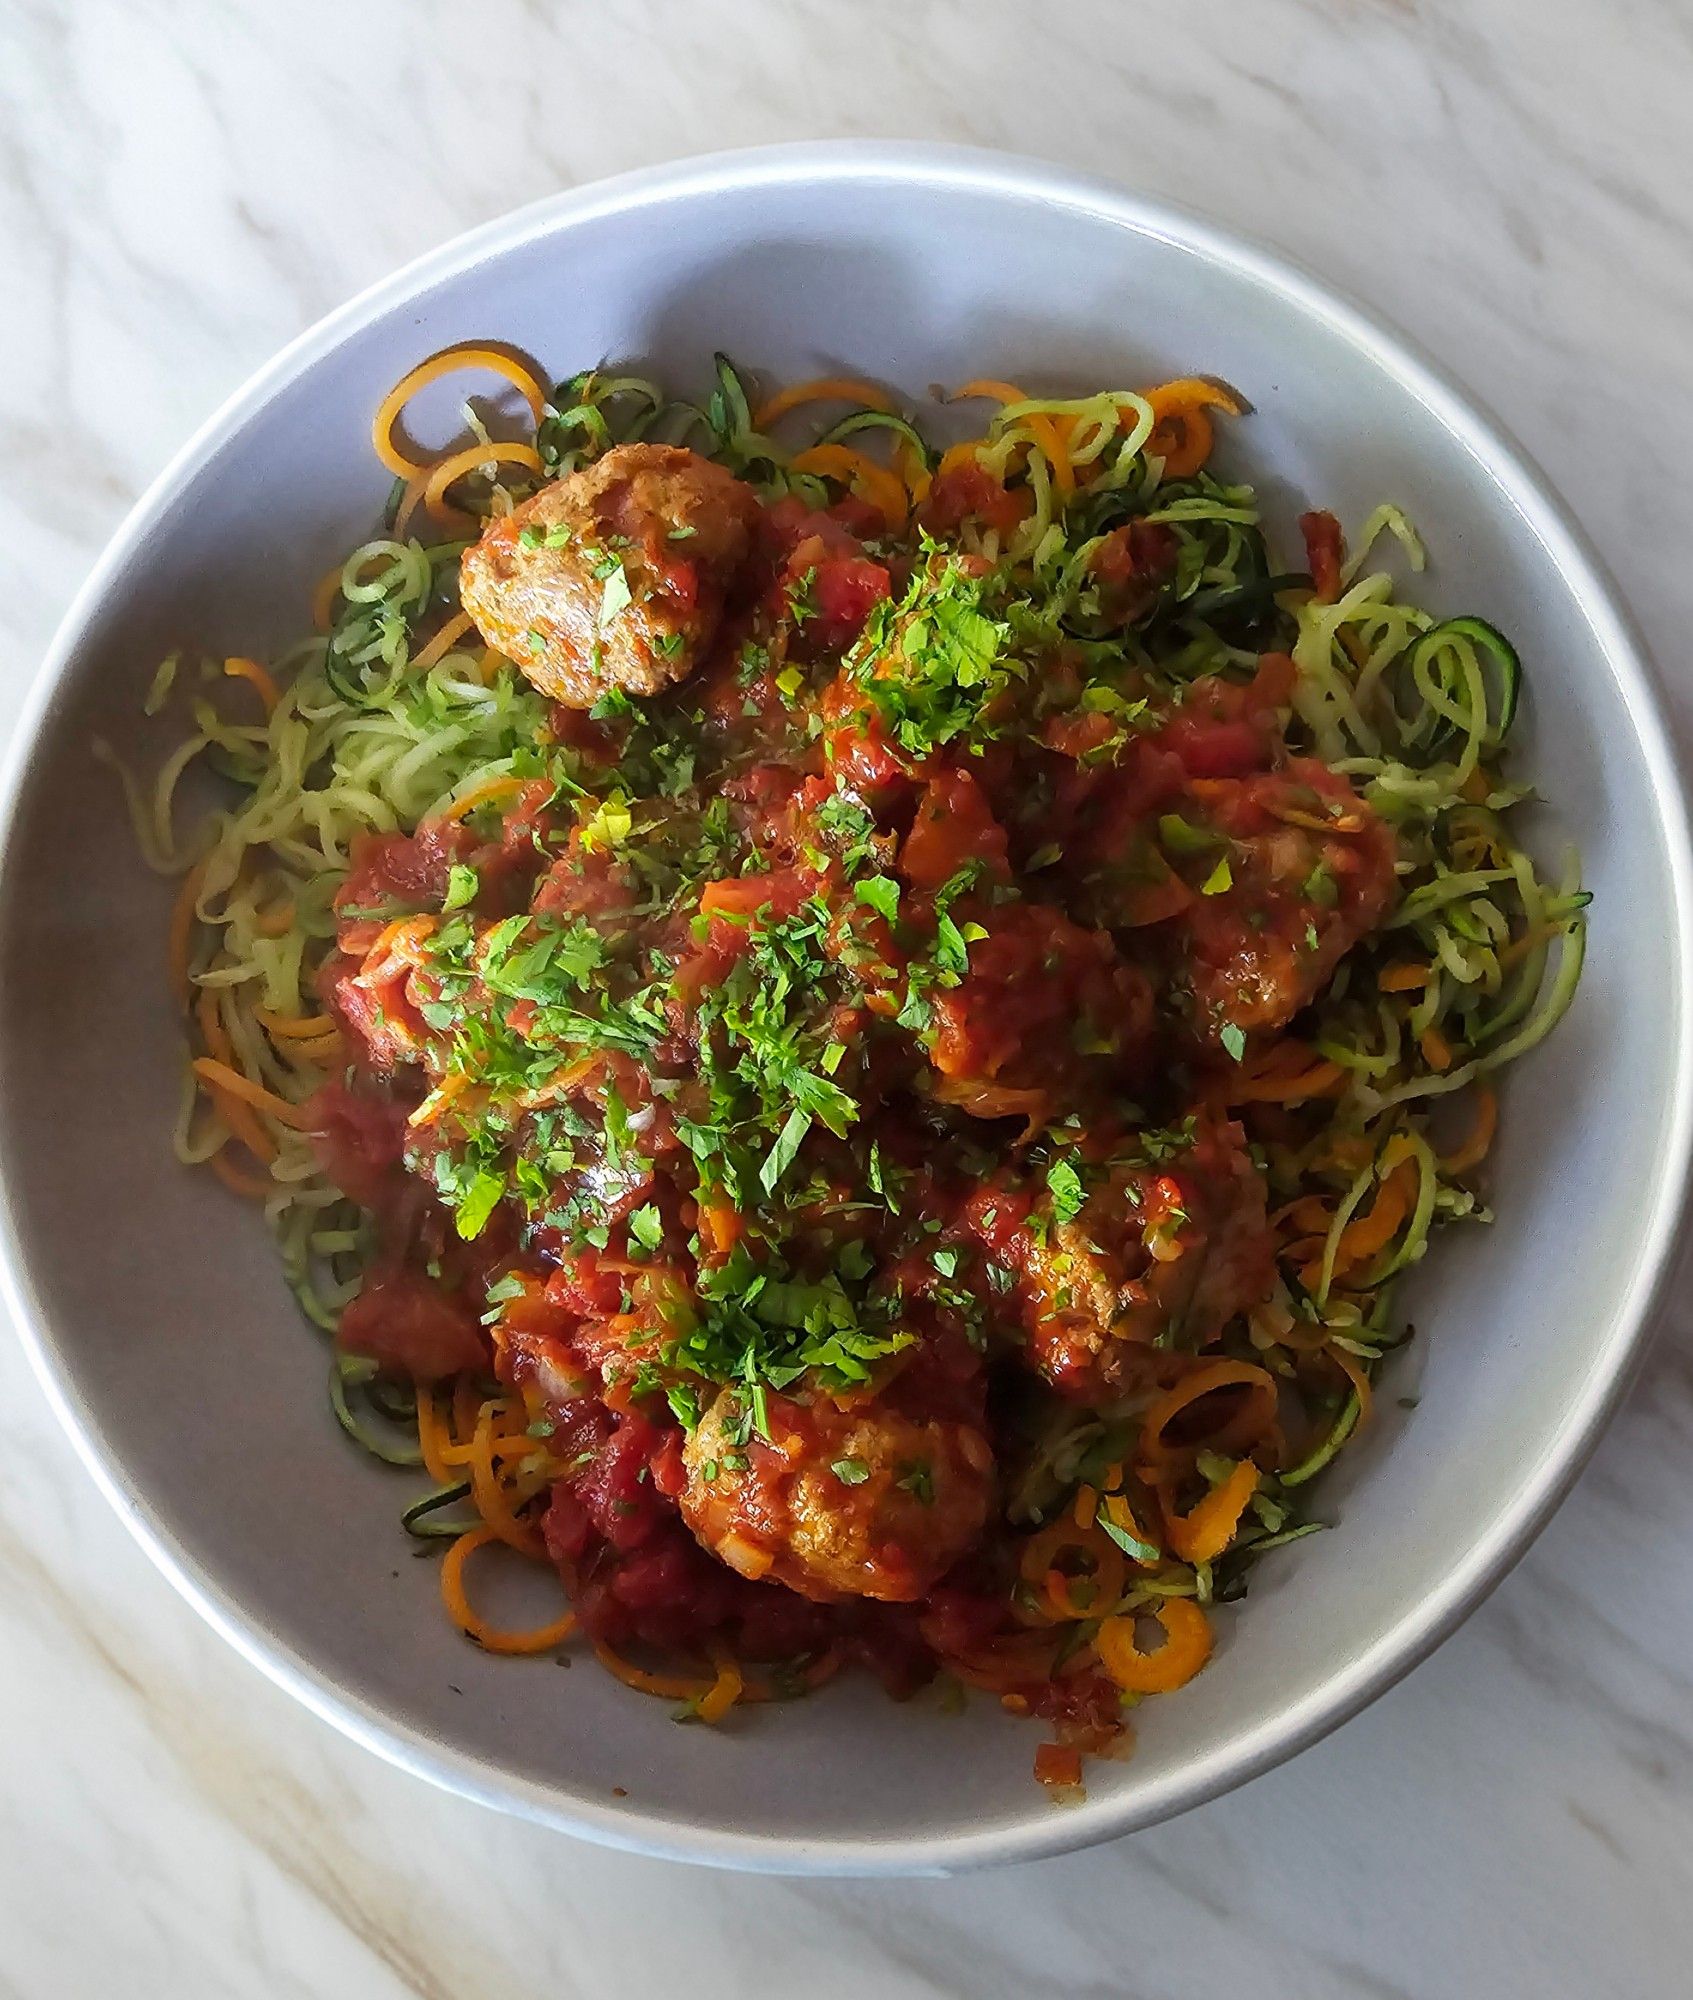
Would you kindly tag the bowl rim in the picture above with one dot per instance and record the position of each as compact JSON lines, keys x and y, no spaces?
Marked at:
{"x":1422,"y":1625}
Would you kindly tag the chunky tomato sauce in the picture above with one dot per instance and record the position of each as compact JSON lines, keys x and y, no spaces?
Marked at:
{"x":806,"y":1076}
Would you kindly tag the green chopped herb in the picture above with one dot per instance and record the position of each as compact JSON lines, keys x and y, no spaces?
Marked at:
{"x":646,"y":1226}
{"x":462,"y":885}
{"x":616,"y":597}
{"x":880,"y":893}
{"x":1064,"y":1185}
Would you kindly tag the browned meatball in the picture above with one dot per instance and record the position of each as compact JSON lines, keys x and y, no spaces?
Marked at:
{"x":1163,"y":1254}
{"x":613,"y":577}
{"x":860,"y":1502}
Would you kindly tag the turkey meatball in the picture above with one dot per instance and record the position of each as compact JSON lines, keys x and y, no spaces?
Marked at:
{"x":837,"y":1502}
{"x":613,"y":577}
{"x":1158,"y":1256}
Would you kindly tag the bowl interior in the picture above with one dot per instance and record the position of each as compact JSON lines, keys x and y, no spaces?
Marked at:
{"x":166,"y":1324}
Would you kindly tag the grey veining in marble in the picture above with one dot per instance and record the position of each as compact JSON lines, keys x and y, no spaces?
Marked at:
{"x":186,"y":183}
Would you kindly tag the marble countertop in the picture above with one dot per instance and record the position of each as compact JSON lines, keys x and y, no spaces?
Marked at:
{"x":184,"y":184}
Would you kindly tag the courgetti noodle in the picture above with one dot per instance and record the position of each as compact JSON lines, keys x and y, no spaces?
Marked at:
{"x":847,"y":1042}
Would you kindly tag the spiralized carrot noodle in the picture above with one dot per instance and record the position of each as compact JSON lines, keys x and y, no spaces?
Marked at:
{"x":1182,"y":405}
{"x":991,"y":388}
{"x":884,"y":490}
{"x":434,"y":1439}
{"x":958,"y":455}
{"x":1475,"y":1148}
{"x":726,"y":1690}
{"x":1186,"y":1648}
{"x":490,"y":1637}
{"x":919,"y":480}
{"x":232,"y":1083}
{"x":1008,"y":1664}
{"x":1436,"y":1049}
{"x":444,"y":641}
{"x":243,"y":669}
{"x":1205,"y":1531}
{"x":481,"y":795}
{"x":452,"y":359}
{"x":825,"y":389}
{"x":1285,"y":1073}
{"x":1246,"y":1425}
{"x":1367,"y":1235}
{"x":1194,"y":392}
{"x":712,"y":1698}
{"x":1322,"y":1079}
{"x":1103,"y":1577}
{"x":488,"y":1490}
{"x":294,"y":1027}
{"x":473,"y":457}
{"x":1114,"y":1508}
{"x":235,"y":1112}
{"x":410,"y":501}
{"x":1404,"y":978}
{"x":326,"y":1049}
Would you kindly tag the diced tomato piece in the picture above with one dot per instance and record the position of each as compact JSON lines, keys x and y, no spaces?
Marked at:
{"x":360,"y":1138}
{"x":616,"y":1491}
{"x":970,"y":492}
{"x":839,"y":530}
{"x":954,"y":825}
{"x":1209,"y":749}
{"x":409,"y":1325}
{"x":389,"y":869}
{"x":844,"y":589}
{"x":1273,"y":684}
{"x":863,"y":759}
{"x":1058,"y":1764}
{"x":1077,"y":733}
{"x":738,"y":902}
{"x":1324,"y":552}
{"x":1131,"y":564}
{"x":582,"y":1289}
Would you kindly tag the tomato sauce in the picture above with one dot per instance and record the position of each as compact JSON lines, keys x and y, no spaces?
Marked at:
{"x":806,"y":1066}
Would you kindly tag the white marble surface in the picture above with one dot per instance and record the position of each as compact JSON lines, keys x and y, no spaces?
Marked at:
{"x":186,"y":183}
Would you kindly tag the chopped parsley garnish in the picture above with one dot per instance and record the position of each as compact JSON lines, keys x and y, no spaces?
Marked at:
{"x":616,"y":597}
{"x":462,"y":885}
{"x":918,"y":1479}
{"x":880,"y":893}
{"x":646,"y":1226}
{"x":934,"y":664}
{"x":1064,"y":1185}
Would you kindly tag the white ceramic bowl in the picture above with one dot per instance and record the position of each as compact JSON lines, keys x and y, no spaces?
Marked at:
{"x":151,"y":1301}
